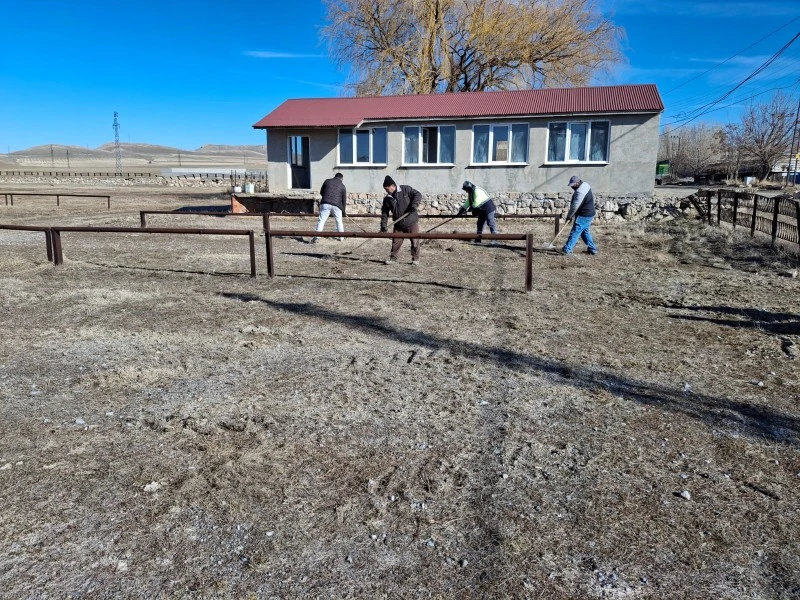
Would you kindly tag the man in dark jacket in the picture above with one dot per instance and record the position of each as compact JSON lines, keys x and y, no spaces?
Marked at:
{"x":334,"y":200}
{"x":581,"y":208}
{"x":402,"y":203}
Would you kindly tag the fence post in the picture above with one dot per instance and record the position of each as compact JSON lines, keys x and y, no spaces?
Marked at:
{"x":58,"y":200}
{"x":109,"y":202}
{"x":775,"y":206}
{"x":529,"y":262}
{"x":48,"y":240}
{"x":708,"y":204}
{"x":58,"y":255}
{"x":268,"y":242}
{"x":558,"y":224}
{"x":719,"y":206}
{"x":755,"y":210}
{"x":142,"y":219}
{"x":797,"y":216}
{"x":252,"y":239}
{"x":735,"y":207}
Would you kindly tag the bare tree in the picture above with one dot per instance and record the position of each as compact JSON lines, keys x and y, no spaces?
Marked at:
{"x":765,"y":132}
{"x":732,"y":150}
{"x":692,"y":151}
{"x":426,"y":46}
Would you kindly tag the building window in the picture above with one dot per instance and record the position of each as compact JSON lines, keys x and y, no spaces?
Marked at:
{"x":429,"y":145}
{"x":366,"y":146}
{"x":500,"y":144}
{"x":584,"y":141}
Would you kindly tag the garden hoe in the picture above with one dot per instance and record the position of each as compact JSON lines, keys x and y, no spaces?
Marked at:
{"x":370,"y":239}
{"x":550,"y":246}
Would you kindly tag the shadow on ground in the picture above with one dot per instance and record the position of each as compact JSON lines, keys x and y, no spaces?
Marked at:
{"x":755,"y":421}
{"x":775,"y":323}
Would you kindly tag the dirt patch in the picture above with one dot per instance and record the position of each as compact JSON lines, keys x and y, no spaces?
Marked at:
{"x":171,"y":427}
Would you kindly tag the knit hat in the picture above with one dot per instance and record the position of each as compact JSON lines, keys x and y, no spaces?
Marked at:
{"x":468,"y":186}
{"x":388,"y":181}
{"x":573,"y":180}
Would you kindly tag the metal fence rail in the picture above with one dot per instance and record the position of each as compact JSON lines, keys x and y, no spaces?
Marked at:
{"x":143,"y":216}
{"x":58,"y":254}
{"x":70,"y":174}
{"x":57,"y":196}
{"x":270,"y":233}
{"x":48,"y":239}
{"x":778,"y":217}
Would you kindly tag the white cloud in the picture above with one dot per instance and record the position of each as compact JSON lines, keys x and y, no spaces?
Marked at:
{"x":721,"y":10}
{"x":270,"y":54}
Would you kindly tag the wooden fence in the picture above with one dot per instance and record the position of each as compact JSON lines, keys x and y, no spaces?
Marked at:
{"x":778,"y":217}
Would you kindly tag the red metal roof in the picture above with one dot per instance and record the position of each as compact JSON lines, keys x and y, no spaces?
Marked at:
{"x":341,"y":112}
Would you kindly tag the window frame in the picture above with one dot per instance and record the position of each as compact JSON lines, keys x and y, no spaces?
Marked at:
{"x":354,"y":149}
{"x":587,"y":143}
{"x":420,"y":146}
{"x":509,"y":126}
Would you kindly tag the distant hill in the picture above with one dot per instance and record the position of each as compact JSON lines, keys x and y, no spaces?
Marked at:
{"x":59,"y":156}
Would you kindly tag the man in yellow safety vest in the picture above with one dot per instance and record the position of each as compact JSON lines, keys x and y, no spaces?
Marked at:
{"x":481,"y":205}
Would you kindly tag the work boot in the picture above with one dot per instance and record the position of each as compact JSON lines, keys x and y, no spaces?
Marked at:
{"x":390,"y":261}
{"x":415,"y":262}
{"x":314,"y":240}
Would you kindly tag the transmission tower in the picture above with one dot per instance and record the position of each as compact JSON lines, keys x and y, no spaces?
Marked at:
{"x":116,"y":144}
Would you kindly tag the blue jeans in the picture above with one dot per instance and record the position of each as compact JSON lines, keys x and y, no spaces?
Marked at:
{"x":580,"y":229}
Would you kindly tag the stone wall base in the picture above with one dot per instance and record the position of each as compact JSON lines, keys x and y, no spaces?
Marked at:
{"x":610,"y":208}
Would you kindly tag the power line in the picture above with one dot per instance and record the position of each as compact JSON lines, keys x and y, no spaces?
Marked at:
{"x":709,"y":106}
{"x":732,"y":57}
{"x":739,"y":101}
{"x":788,"y":66}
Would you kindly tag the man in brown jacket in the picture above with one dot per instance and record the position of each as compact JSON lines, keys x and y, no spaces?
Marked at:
{"x":401,"y":202}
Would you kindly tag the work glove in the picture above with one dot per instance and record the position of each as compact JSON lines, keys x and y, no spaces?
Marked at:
{"x":462,"y":211}
{"x":384,"y":229}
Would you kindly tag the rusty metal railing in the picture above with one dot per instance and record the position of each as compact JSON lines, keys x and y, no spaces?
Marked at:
{"x":48,"y":239}
{"x":143,"y":216}
{"x":57,"y":196}
{"x":58,"y":254}
{"x":270,"y":233}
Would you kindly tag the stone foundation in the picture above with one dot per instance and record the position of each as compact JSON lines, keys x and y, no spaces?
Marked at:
{"x":610,"y":208}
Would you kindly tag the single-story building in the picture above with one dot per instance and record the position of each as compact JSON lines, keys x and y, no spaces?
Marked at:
{"x":510,"y":141}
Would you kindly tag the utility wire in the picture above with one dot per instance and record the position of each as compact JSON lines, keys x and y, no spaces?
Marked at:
{"x":732,"y":57}
{"x":738,"y":101}
{"x":708,"y":107}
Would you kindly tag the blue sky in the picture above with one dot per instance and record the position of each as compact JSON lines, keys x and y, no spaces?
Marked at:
{"x":186,"y":73}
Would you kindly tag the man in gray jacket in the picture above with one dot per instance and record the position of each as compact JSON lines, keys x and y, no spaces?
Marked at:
{"x":401,"y":202}
{"x":581,"y":208}
{"x":334,"y":200}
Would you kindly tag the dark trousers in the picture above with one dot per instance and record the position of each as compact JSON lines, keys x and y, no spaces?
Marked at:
{"x":485,"y":213}
{"x":397,"y":243}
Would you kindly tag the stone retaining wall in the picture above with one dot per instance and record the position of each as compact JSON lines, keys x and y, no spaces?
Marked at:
{"x":119,"y":181}
{"x":610,"y":208}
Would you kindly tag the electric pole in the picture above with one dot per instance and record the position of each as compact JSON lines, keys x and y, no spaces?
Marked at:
{"x":792,"y":154}
{"x":52,"y":162}
{"x":67,"y":159}
{"x":117,"y":153}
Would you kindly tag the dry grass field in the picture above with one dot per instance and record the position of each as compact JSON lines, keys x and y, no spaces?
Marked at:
{"x":172,"y":428}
